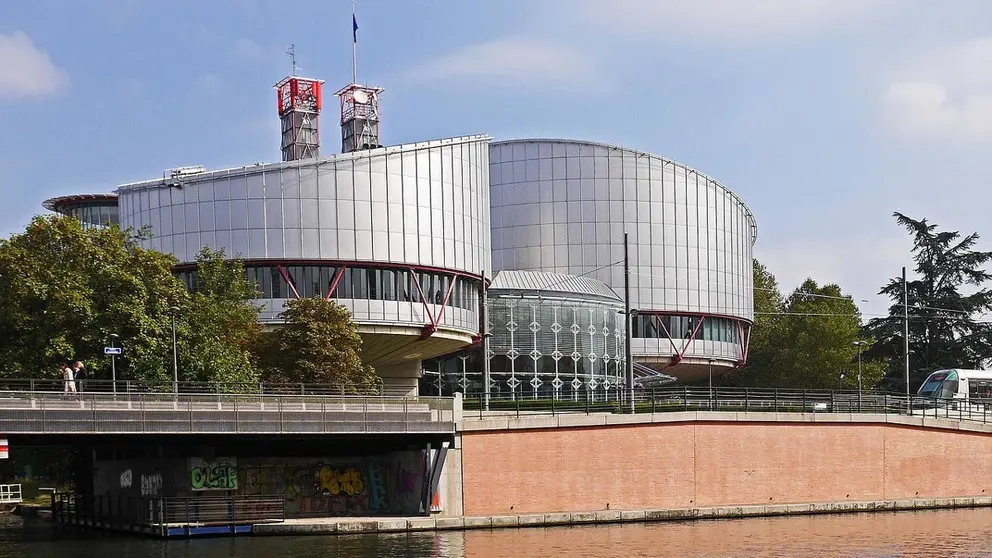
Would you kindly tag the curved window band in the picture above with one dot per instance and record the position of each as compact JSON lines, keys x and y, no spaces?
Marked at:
{"x":652,"y":326}
{"x":358,"y":283}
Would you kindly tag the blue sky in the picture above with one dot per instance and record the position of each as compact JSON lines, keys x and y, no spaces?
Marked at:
{"x":824,"y":115}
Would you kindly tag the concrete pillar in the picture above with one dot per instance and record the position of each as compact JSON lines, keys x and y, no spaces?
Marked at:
{"x":402,"y":380}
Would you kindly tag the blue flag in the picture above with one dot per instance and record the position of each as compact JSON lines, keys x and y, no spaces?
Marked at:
{"x":354,"y":29}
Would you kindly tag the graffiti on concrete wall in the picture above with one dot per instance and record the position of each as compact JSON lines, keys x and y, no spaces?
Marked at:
{"x":215,"y":474}
{"x":151,"y":485}
{"x":131,"y":477}
{"x":361,"y":486}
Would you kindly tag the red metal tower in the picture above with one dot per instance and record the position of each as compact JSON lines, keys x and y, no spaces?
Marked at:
{"x":299,"y":103}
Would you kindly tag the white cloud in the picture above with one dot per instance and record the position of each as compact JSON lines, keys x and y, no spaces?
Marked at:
{"x":27,"y":71}
{"x":945,"y":94}
{"x":727,"y":20}
{"x":517,"y":58}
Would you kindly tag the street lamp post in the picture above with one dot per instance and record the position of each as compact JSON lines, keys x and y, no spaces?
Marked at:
{"x":175,"y":360}
{"x":629,"y":358}
{"x":629,"y":314}
{"x":859,"y":344}
{"x":113,"y":364}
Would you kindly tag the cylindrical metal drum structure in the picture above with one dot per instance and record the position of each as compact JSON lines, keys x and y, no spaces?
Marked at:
{"x":399,"y":235}
{"x":563,"y":206}
{"x":92,"y":210}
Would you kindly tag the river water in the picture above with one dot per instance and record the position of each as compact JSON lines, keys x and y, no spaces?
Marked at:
{"x":943,"y":534}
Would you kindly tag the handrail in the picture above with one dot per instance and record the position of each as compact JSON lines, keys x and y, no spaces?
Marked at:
{"x":153,"y":514}
{"x":10,"y":494}
{"x":166,"y":386}
{"x":724,"y":399}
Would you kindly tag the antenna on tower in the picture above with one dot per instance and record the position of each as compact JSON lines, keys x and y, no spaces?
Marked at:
{"x":292,"y":57}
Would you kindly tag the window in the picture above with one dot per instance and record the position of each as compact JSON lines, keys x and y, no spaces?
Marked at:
{"x":356,"y":283}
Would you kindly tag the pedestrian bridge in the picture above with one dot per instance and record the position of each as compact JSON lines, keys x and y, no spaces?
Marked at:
{"x":27,"y":412}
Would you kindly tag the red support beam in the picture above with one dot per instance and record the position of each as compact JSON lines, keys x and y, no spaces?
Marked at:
{"x":668,"y":334}
{"x":423,"y":298}
{"x":747,"y":341}
{"x":447,"y":297}
{"x":334,"y":282}
{"x":677,"y":358}
{"x":288,"y":280}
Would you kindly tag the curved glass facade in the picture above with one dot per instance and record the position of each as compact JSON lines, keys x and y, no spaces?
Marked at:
{"x":92,"y":215}
{"x":654,"y":326}
{"x":357,"y":283}
{"x":541,"y":347}
{"x":565,"y":206}
{"x":396,"y":218}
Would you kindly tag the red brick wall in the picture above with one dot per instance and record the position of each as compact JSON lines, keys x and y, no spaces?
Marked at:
{"x":714,"y":464}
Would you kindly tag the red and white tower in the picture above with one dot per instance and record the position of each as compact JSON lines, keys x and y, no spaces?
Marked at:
{"x":359,"y":117}
{"x":299,"y":102}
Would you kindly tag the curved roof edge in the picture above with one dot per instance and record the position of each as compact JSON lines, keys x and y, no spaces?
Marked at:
{"x":259,"y":167}
{"x":750,"y":214}
{"x":538,"y":282}
{"x":53,"y":204}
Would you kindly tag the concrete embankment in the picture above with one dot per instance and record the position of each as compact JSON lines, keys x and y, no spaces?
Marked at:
{"x":357,"y":525}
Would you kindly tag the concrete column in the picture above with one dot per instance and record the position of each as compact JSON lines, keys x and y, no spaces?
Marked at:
{"x":400,"y":380}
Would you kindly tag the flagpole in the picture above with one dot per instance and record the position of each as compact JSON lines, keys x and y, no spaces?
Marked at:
{"x":354,"y":45}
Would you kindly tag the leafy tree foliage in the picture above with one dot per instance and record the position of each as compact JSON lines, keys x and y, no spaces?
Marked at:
{"x":943,"y":332}
{"x":319,"y":343}
{"x":809,"y":340}
{"x":65,"y":289}
{"x":768,"y":306}
{"x":219,"y":329}
{"x":817,"y":339}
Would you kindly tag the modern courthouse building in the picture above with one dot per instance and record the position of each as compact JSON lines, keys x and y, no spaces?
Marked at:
{"x":465,"y":258}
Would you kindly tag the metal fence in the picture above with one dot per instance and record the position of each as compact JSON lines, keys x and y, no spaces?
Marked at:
{"x":10,"y":494}
{"x":734,"y":400}
{"x":156,"y":515}
{"x":167,"y":386}
{"x":46,"y":412}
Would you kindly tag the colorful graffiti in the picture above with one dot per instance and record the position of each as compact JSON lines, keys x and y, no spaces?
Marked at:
{"x":365,"y":486}
{"x":334,"y":482}
{"x":217,"y":474}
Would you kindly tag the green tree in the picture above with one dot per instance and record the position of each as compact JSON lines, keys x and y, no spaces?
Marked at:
{"x":219,"y":330}
{"x":65,"y":289}
{"x":806,"y":340}
{"x":768,"y":305}
{"x":319,"y":343}
{"x":816,"y":341}
{"x":943,"y":331}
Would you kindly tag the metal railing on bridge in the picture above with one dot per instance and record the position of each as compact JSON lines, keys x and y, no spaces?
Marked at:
{"x":167,"y":386}
{"x":42,"y":407}
{"x":10,"y":494}
{"x":168,"y":516}
{"x":677,"y":399}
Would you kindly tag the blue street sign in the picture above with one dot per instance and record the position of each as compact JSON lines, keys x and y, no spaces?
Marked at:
{"x":111,"y":350}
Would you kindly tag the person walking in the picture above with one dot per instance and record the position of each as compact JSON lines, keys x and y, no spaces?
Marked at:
{"x":79,"y":374}
{"x":67,"y":378}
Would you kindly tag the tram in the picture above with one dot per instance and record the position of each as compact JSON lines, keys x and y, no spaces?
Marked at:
{"x":954,"y":386}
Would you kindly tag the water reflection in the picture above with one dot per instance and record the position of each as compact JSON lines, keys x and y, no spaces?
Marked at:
{"x":946,"y":533}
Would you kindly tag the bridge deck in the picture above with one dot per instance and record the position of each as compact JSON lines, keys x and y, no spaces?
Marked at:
{"x":155,"y":413}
